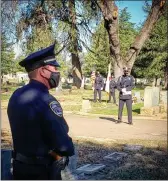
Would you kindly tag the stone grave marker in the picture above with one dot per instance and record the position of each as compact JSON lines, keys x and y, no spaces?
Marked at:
{"x":151,"y":97}
{"x":115,"y":157}
{"x":133,"y":147}
{"x":163,"y":97}
{"x":86,"y":106}
{"x":90,"y":168}
{"x":156,"y":96}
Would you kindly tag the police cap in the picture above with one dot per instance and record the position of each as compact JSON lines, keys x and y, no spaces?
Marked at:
{"x":126,"y":69}
{"x":40,"y":58}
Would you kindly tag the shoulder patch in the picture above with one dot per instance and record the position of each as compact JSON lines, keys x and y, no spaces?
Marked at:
{"x":56,"y":108}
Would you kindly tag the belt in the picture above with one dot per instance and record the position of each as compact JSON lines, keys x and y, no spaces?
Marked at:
{"x":32,"y":160}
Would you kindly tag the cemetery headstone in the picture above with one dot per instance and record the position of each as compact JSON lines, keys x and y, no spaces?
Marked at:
{"x":163,"y":97}
{"x":90,"y":168}
{"x":86,"y":106}
{"x":115,"y":157}
{"x":133,"y":147}
{"x":151,"y":97}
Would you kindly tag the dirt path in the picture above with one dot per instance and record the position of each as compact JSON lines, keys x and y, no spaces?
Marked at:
{"x":105,"y":127}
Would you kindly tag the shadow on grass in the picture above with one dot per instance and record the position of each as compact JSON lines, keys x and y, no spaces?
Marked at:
{"x":92,"y":100}
{"x":136,"y":110}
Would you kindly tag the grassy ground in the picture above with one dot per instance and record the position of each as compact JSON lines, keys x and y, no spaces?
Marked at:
{"x":72,"y":101}
{"x":145,"y":164}
{"x":150,"y":163}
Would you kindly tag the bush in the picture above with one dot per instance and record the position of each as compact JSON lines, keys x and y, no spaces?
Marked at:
{"x":66,"y":86}
{"x":88,"y":86}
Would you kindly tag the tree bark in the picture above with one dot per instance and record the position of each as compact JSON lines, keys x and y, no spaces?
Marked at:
{"x":76,"y":66}
{"x":107,"y":8}
{"x":111,"y":24}
{"x":144,"y":33}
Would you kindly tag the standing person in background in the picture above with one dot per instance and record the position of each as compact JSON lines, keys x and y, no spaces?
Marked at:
{"x":124,"y":85}
{"x":98,"y":86}
{"x":112,"y":87}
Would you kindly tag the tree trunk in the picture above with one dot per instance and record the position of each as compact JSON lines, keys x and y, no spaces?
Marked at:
{"x":76,"y":66}
{"x":111,"y":24}
{"x":144,"y":33}
{"x":76,"y":71}
{"x":2,"y":80}
{"x":109,"y":11}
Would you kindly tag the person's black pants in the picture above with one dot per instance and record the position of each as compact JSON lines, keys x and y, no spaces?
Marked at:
{"x":112,"y":94}
{"x":95,"y":94}
{"x":129,"y":109}
{"x":22,"y":171}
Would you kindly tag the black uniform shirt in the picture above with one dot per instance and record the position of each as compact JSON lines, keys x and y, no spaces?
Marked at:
{"x":112,"y":85}
{"x":125,"y":82}
{"x":37,"y":122}
{"x":99,"y":83}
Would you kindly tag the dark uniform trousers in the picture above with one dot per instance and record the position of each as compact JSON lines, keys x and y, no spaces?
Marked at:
{"x":112,"y":87}
{"x":129,"y":109}
{"x":97,"y":87}
{"x":95,"y":94}
{"x":112,"y":94}
{"x":22,"y":171}
{"x":126,"y":82}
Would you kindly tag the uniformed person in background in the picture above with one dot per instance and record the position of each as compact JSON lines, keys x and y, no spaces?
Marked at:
{"x":39,"y":131}
{"x":98,"y":86}
{"x":112,"y":87}
{"x":125,"y":84}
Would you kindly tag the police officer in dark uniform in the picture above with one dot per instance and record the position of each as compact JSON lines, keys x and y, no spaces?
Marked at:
{"x":39,"y":131}
{"x":112,"y":87}
{"x":125,"y":84}
{"x":98,"y":86}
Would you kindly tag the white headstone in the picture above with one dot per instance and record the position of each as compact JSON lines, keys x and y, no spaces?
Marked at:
{"x":156,"y":95}
{"x":151,"y":96}
{"x":163,"y":97}
{"x":86,"y":106}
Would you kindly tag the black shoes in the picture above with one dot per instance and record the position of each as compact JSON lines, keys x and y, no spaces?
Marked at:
{"x":130,"y":123}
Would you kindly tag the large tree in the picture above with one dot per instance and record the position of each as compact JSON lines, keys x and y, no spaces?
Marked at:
{"x":100,"y":57}
{"x":151,"y":62}
{"x":7,"y":57}
{"x":110,"y":15}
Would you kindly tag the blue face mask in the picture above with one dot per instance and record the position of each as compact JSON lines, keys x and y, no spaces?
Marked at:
{"x":54,"y":79}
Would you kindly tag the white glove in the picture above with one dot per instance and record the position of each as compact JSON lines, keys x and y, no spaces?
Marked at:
{"x":123,"y":90}
{"x":102,"y":88}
